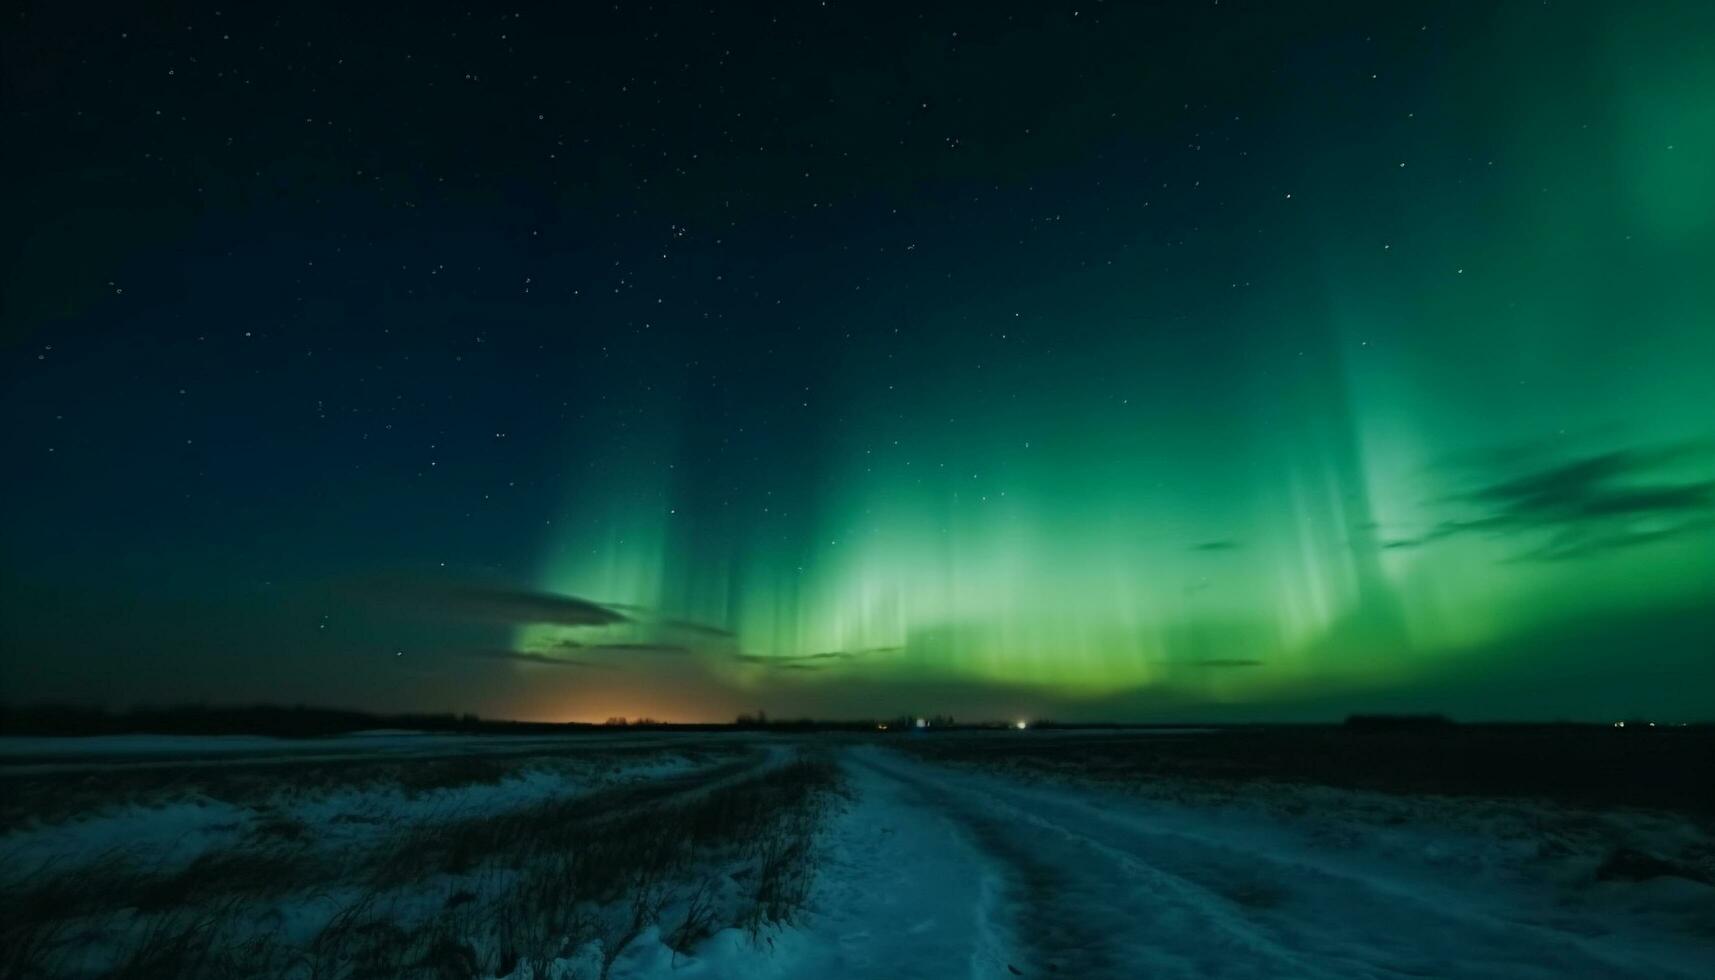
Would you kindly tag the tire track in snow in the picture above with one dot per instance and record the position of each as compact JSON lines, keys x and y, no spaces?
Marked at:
{"x":1056,"y":940}
{"x":1094,"y":892}
{"x":1074,"y":908}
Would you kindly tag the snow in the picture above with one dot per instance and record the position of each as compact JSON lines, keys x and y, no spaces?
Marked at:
{"x":14,"y":747}
{"x":900,"y":892}
{"x":166,"y":833}
{"x":930,"y":870}
{"x":940,"y":872}
{"x":34,"y":754}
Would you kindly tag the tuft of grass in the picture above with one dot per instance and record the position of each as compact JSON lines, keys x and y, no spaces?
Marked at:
{"x":282,"y":829}
{"x":456,"y":895}
{"x":697,"y":922}
{"x":238,"y":872}
{"x":450,"y":773}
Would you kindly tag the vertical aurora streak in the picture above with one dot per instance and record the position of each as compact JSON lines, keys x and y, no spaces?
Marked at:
{"x":1126,"y":361}
{"x":1152,"y":477}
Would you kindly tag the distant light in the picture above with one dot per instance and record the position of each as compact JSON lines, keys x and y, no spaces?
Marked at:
{"x":1021,"y":725}
{"x":922,"y":723}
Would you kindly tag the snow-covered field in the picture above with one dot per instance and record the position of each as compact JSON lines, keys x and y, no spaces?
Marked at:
{"x":706,"y":856}
{"x":169,"y":827}
{"x":973,"y":875}
{"x":393,"y":855}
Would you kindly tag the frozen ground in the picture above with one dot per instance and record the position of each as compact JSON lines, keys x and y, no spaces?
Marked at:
{"x":699,"y":856}
{"x":947,"y":872}
{"x":393,"y":856}
{"x":202,"y":809}
{"x":937,"y":870}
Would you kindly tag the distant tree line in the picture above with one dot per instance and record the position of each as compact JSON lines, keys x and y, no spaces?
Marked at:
{"x":304,"y":721}
{"x":299,"y":721}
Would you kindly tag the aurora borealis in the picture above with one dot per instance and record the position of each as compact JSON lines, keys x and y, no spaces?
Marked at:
{"x":1098,"y":361}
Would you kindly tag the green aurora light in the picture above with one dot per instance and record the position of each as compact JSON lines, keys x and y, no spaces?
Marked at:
{"x":1164,"y":362}
{"x":1446,"y":414}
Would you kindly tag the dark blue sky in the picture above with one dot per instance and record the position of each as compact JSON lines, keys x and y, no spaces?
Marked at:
{"x":860,"y":357}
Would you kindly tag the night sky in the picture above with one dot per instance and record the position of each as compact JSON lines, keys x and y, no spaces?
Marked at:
{"x":1205,"y":360}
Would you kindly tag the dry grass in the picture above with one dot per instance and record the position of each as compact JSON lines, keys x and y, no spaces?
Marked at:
{"x":479,"y":894}
{"x":51,"y":796}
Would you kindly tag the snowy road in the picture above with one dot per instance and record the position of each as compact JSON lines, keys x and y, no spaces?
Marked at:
{"x":929,"y":869}
{"x":937,"y":871}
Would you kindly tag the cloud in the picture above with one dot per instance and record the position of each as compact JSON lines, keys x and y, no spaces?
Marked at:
{"x":515,"y":606}
{"x":686,"y":625}
{"x":811,"y":661}
{"x":491,"y":604}
{"x":690,"y":627}
{"x":1584,"y":545}
{"x":1221,"y":544}
{"x":1586,"y":486}
{"x":520,"y":656}
{"x":1584,"y":506}
{"x":621,"y":647}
